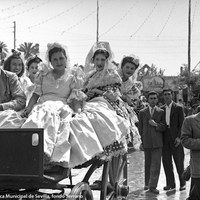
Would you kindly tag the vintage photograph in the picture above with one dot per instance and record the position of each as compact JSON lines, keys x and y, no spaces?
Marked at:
{"x":100,"y":99}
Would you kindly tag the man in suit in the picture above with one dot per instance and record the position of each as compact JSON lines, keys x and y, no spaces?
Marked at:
{"x":151,"y":127}
{"x":172,"y":147}
{"x":190,"y":138}
{"x":12,"y":96}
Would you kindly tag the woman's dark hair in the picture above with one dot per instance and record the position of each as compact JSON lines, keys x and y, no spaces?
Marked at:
{"x":101,"y":51}
{"x":7,"y":62}
{"x":55,"y":50}
{"x":31,"y":60}
{"x":129,"y":59}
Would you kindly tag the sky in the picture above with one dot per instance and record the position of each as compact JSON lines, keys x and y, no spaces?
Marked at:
{"x":154,"y":30}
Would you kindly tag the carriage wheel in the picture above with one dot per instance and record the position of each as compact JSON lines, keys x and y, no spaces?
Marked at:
{"x":114,"y":179}
{"x":81,"y":191}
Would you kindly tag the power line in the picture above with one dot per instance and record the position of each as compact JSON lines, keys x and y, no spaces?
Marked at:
{"x":146,"y":19}
{"x":32,"y":8}
{"x":152,"y":40}
{"x":166,"y":22}
{"x":121,"y":19}
{"x":14,"y":6}
{"x":83,"y":19}
{"x":55,"y":16}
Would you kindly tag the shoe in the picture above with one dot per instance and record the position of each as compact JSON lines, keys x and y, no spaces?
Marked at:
{"x":168,"y":188}
{"x":57,"y":173}
{"x":154,"y":190}
{"x":97,"y":184}
{"x":182,"y":188}
{"x":146,"y":187}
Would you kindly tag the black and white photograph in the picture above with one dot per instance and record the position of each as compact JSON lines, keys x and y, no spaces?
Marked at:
{"x":100,"y":99}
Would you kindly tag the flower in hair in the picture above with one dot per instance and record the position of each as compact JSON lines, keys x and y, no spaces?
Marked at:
{"x":133,"y":58}
{"x":15,"y":53}
{"x":51,"y":46}
{"x":33,"y":58}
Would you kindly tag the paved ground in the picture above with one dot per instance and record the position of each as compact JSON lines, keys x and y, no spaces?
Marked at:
{"x":136,"y":180}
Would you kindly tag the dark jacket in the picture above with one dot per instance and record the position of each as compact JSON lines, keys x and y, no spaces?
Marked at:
{"x":176,"y":119}
{"x":190,"y":138}
{"x":152,"y":137}
{"x":11,"y":94}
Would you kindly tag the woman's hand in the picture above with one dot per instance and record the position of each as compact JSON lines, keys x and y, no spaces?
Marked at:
{"x":1,"y":107}
{"x":26,"y":112}
{"x":123,"y":97}
{"x":97,"y":91}
{"x":90,"y":93}
{"x":93,"y":91}
{"x":77,"y":106}
{"x":111,"y":95}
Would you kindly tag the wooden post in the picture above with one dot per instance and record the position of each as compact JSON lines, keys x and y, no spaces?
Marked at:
{"x":14,"y":34}
{"x":97,"y":36}
{"x":189,"y":50}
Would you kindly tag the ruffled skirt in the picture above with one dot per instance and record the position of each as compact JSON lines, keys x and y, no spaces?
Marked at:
{"x":63,"y":145}
{"x":71,"y":141}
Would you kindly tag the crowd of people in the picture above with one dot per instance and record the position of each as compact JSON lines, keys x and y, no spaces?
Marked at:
{"x":73,"y":104}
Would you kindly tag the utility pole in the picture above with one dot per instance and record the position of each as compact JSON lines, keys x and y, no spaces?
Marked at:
{"x":14,"y":34}
{"x":97,"y":36}
{"x":189,"y":50}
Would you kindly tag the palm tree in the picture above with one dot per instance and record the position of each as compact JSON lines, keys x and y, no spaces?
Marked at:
{"x":28,"y":49}
{"x":3,"y":52}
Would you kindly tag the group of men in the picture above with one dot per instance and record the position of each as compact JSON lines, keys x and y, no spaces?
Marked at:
{"x":160,"y":130}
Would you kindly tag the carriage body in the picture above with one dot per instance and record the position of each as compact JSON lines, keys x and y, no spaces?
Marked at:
{"x":22,"y":173}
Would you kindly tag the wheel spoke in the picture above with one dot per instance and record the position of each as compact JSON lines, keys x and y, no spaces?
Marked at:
{"x":111,"y":176}
{"x":117,"y":173}
{"x":110,"y":196}
{"x":120,"y":171}
{"x":104,"y":182}
{"x":119,"y":168}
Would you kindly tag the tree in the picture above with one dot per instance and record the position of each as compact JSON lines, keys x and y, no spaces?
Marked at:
{"x":186,"y":78}
{"x":3,"y":52}
{"x":192,"y":80}
{"x":152,"y":70}
{"x":28,"y":49}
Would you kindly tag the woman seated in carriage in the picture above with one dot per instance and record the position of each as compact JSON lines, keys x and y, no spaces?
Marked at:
{"x":12,"y":95}
{"x":71,"y":140}
{"x":131,"y":90}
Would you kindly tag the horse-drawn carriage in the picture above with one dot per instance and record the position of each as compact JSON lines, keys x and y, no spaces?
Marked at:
{"x":22,"y":174}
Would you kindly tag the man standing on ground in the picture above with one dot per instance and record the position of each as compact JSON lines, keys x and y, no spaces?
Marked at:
{"x":151,"y":126}
{"x":190,"y":137}
{"x":172,"y":147}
